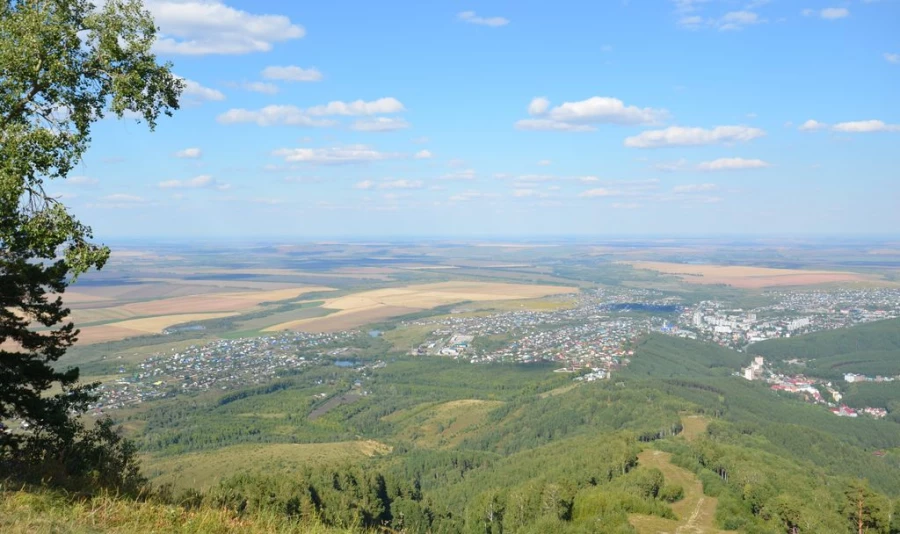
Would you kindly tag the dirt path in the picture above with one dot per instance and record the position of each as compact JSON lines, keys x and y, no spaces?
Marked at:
{"x":696,"y":512}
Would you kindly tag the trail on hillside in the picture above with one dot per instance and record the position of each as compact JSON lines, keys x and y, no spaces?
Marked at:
{"x":696,"y":512}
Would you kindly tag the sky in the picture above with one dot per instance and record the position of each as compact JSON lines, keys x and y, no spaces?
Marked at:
{"x":509,"y":118}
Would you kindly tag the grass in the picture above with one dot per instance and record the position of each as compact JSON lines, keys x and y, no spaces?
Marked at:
{"x":446,"y":424}
{"x":694,"y":426}
{"x":201,"y":470}
{"x":696,"y":512}
{"x":27,"y":512}
{"x":406,"y":338}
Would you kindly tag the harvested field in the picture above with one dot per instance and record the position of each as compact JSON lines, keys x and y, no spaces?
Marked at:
{"x":369,"y":306}
{"x":140,"y":327}
{"x":207,"y":303}
{"x":748,"y":277}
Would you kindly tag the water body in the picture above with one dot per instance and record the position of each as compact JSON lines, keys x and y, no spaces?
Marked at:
{"x":344,"y":363}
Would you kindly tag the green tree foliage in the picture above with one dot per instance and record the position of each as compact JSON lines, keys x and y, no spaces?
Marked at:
{"x":64,"y":64}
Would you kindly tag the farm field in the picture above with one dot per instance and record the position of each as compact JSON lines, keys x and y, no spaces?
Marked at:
{"x":202,"y":470}
{"x":116,"y":320}
{"x":361,"y":308}
{"x":749,"y":277}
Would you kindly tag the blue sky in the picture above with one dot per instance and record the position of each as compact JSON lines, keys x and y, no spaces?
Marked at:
{"x":481,"y":118}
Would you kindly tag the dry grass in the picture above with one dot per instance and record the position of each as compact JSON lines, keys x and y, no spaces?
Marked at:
{"x":361,"y":308}
{"x":444,"y":425}
{"x":694,"y":426}
{"x":27,"y":512}
{"x":696,"y":512}
{"x":202,"y":470}
{"x":748,"y":277}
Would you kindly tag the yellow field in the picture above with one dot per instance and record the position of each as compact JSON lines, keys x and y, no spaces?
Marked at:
{"x":747,"y":277}
{"x":362,"y":308}
{"x":153,"y":316}
{"x":202,"y":470}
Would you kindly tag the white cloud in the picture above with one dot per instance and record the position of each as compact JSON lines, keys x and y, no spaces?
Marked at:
{"x":203,"y":181}
{"x":538,"y":106}
{"x":332,"y":156}
{"x":401,"y":184}
{"x":471,"y":194}
{"x":358,"y":107}
{"x":472,"y":18}
{"x":694,"y":188}
{"x":551,"y":125}
{"x":736,"y":20}
{"x":189,"y":153}
{"x":123,"y":198}
{"x":832,"y":13}
{"x":892,"y":58}
{"x":84,"y":181}
{"x":272,"y":116}
{"x":257,"y":87}
{"x":380,"y":124}
{"x":732,"y":164}
{"x":605,"y":110}
{"x":467,"y":174}
{"x":202,"y":27}
{"x":671,"y":166}
{"x":681,"y":136}
{"x":292,"y":73}
{"x":829,"y":13}
{"x":365,"y":184}
{"x":423,"y":154}
{"x":600,"y":192}
{"x":194,"y":93}
{"x":865,"y":127}
{"x":528,"y":193}
{"x":544,"y":162}
{"x":812,"y":125}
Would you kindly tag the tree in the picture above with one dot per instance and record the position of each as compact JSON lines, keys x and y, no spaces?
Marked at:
{"x":867,"y":511}
{"x":64,"y":64}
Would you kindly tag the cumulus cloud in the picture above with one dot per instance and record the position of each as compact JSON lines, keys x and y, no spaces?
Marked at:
{"x":682,"y":136}
{"x":195,"y":94}
{"x":204,"y":181}
{"x":538,"y":106}
{"x":351,"y":154}
{"x":732,"y":164}
{"x":812,"y":125}
{"x":867,"y":126}
{"x":829,"y":13}
{"x":423,"y":154}
{"x":472,"y":18}
{"x":401,"y":184}
{"x":600,"y":192}
{"x":82,"y":181}
{"x":547,"y":125}
{"x":380,"y":124}
{"x":580,"y":116}
{"x":605,"y":110}
{"x":189,"y":153}
{"x":123,"y":198}
{"x":204,"y":27}
{"x":528,"y":193}
{"x":292,"y":73}
{"x":467,"y":174}
{"x":256,"y":87}
{"x":694,"y":188}
{"x":381,"y":106}
{"x":273,"y":116}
